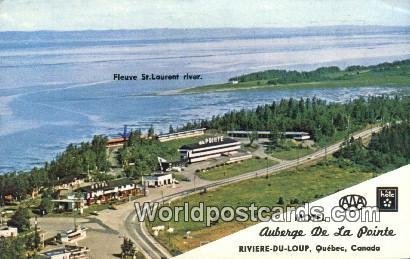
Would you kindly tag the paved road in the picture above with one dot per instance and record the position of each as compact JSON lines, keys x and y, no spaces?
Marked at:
{"x":152,"y":249}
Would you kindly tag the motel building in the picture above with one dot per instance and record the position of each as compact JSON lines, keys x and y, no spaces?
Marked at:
{"x":119,"y":189}
{"x":209,"y":148}
{"x":158,"y":180}
{"x":296,"y":135}
{"x":8,"y":231}
{"x":181,"y":134}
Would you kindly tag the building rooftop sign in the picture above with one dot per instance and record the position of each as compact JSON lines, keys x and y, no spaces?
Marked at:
{"x":211,"y":140}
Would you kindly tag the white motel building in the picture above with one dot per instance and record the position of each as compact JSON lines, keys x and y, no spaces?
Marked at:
{"x":209,"y":148}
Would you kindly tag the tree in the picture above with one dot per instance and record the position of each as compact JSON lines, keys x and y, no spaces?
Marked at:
{"x":127,"y":247}
{"x":11,"y":248}
{"x":252,"y":137}
{"x":171,"y":129}
{"x":280,"y":201}
{"x":46,"y":204}
{"x":151,"y":131}
{"x":98,"y":145}
{"x":20,"y":187}
{"x":20,"y":219}
{"x":3,"y":186}
{"x":388,"y":149}
{"x":36,"y":237}
{"x":274,"y":139}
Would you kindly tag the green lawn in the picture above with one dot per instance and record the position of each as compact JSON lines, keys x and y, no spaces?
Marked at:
{"x":250,"y":148}
{"x":306,"y":184}
{"x":292,"y":153}
{"x":235,"y":169}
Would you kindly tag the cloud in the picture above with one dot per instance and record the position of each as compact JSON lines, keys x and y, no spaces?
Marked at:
{"x":140,"y":14}
{"x":402,"y":6}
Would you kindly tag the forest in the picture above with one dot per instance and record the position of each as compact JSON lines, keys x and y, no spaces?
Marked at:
{"x":76,"y":160}
{"x":386,"y":150}
{"x":322,"y":73}
{"x":139,"y":155}
{"x":324,"y":121}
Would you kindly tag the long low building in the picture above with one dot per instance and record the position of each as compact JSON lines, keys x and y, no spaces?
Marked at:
{"x":72,"y":252}
{"x":181,"y":134}
{"x":116,"y":142}
{"x":209,"y":148}
{"x":296,"y":135}
{"x":118,"y":189}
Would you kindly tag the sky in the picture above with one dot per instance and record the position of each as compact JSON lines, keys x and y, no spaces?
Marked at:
{"x":33,"y":15}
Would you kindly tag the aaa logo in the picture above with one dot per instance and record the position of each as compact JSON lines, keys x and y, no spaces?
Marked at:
{"x":352,"y":201}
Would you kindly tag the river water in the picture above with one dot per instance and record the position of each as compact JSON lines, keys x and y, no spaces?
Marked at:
{"x":57,"y":88}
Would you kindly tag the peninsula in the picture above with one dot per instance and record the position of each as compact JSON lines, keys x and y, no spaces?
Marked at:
{"x":385,"y":74}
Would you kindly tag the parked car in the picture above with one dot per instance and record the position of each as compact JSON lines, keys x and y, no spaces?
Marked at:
{"x":95,"y":213}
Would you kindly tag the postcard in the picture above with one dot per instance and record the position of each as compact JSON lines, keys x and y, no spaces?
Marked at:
{"x":204,"y":129}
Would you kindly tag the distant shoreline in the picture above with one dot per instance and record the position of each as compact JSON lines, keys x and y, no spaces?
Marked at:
{"x":384,"y":74}
{"x":318,"y":85}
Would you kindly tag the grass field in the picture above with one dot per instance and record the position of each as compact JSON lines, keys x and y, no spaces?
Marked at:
{"x":370,"y":78}
{"x":306,"y":184}
{"x":292,"y":153}
{"x":235,"y":169}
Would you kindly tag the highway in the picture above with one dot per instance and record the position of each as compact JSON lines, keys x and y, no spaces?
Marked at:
{"x":152,"y":249}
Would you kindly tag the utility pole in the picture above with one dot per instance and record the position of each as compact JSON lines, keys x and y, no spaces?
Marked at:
{"x":88,"y":170}
{"x":144,"y":184}
{"x":169,"y":226}
{"x":267,"y":166}
{"x":75,"y":211}
{"x":297,"y":163}
{"x":36,"y":241}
